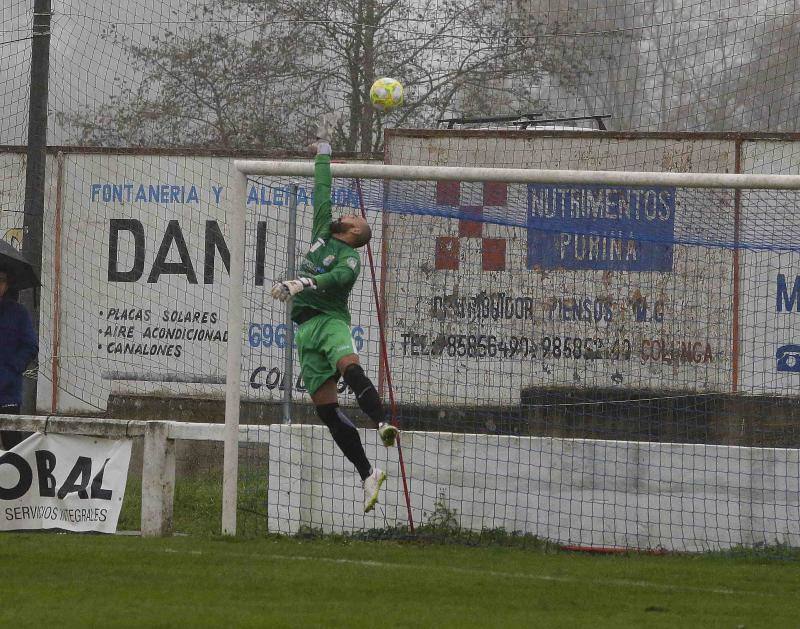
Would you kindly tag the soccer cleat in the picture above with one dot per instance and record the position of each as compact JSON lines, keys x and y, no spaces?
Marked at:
{"x":387,"y":433}
{"x":372,"y":487}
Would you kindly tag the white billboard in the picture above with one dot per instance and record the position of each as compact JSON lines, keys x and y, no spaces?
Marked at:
{"x":582,"y":286}
{"x":770,"y":279}
{"x":140,"y":272}
{"x":570,"y":286}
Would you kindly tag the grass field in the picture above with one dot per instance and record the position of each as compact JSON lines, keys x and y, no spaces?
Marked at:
{"x":199,"y":581}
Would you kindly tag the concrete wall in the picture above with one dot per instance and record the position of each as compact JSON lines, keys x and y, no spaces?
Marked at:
{"x":619,"y":494}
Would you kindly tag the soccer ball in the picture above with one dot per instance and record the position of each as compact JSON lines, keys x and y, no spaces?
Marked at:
{"x":386,"y":94}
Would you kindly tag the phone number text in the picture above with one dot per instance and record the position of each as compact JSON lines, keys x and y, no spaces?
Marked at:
{"x":488,"y":346}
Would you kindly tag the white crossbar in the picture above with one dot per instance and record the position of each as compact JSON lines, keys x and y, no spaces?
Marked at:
{"x":525,"y":175}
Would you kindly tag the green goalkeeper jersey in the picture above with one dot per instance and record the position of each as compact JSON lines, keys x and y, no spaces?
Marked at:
{"x":332,"y":264}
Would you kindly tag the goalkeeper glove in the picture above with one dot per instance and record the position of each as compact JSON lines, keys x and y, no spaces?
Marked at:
{"x":324,"y":132}
{"x":325,"y":127}
{"x":284,"y":290}
{"x":320,"y":147}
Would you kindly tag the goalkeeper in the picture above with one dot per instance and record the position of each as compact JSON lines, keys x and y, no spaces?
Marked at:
{"x":319,"y":306}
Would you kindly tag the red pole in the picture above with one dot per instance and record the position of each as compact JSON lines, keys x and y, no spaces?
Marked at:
{"x":385,"y":360}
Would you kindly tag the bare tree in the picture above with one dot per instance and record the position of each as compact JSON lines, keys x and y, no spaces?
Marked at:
{"x":672,"y":65}
{"x":724,"y":69}
{"x":769,"y":82}
{"x":254,"y":72}
{"x":236,"y":81}
{"x":447,"y":51}
{"x":586,"y":55}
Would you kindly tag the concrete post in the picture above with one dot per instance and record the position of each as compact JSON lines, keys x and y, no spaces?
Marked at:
{"x":158,"y":480}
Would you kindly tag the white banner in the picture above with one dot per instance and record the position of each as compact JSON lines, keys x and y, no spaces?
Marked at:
{"x":63,"y":482}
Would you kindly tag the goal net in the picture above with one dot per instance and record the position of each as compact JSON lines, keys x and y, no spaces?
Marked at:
{"x":640,"y":372}
{"x":600,"y":359}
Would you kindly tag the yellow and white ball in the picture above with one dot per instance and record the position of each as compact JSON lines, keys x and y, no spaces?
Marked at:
{"x":386,"y":94}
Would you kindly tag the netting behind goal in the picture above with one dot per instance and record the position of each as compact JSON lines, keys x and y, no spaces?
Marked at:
{"x":15,"y":54}
{"x":505,"y":320}
{"x":597,"y":365}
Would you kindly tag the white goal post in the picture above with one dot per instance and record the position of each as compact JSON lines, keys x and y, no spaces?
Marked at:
{"x":236,"y":224}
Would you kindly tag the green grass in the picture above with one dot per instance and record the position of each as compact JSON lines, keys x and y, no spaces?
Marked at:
{"x":440,"y":577}
{"x":84,"y":581}
{"x":197,"y":507}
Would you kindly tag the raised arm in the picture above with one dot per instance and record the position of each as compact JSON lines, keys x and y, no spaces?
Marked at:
{"x":322,"y":194}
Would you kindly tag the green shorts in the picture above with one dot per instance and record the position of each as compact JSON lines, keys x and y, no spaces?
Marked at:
{"x":321,"y":343}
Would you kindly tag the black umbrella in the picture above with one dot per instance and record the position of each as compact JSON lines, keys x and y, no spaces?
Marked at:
{"x":20,"y":270}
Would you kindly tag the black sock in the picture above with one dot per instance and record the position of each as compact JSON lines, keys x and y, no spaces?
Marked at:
{"x":366,"y":395}
{"x":346,"y":436}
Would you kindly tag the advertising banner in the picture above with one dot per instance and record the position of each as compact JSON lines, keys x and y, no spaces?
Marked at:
{"x":52,"y":481}
{"x":770,"y":279}
{"x":565,"y":285}
{"x":144,"y":258}
{"x":600,"y":228}
{"x":577,"y":285}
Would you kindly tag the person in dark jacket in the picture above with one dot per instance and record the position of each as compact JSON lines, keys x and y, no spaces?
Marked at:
{"x":18,"y":347}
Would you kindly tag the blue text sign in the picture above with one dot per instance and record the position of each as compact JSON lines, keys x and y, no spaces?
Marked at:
{"x":600,"y":228}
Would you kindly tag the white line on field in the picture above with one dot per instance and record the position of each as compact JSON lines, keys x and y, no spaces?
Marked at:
{"x":513,"y":575}
{"x":494,"y":573}
{"x":186,"y":552}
